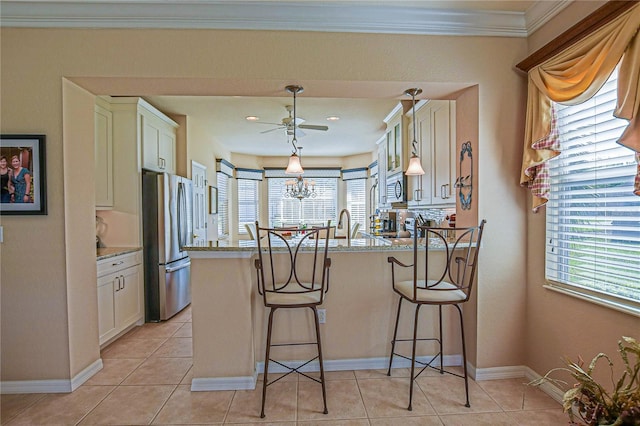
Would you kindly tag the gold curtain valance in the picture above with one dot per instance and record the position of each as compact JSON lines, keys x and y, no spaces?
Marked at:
{"x":574,"y":76}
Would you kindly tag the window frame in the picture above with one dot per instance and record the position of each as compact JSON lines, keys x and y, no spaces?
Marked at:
{"x":242,"y":230}
{"x":273,"y":182}
{"x":555,"y":228}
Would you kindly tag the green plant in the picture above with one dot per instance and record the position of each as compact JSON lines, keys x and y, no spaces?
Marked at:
{"x":590,"y":401}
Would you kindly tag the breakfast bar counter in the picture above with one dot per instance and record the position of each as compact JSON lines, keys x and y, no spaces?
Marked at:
{"x":229,"y":318}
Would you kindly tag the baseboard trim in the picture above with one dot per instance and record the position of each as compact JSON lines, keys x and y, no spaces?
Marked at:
{"x":249,"y":382}
{"x":547,"y":387}
{"x":360,"y":364}
{"x":496,"y":373}
{"x":51,"y":386}
{"x":224,"y":383}
{"x":86,"y":374}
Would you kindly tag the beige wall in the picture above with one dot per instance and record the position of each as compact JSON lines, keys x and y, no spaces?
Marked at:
{"x":146,"y":62}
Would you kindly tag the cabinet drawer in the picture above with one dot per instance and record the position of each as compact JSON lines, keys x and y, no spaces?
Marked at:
{"x":118,"y":263}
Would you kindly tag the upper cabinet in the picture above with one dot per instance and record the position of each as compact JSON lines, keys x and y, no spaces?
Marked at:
{"x":436,"y":136}
{"x":158,"y":140}
{"x":395,"y":141}
{"x":382,"y":173}
{"x":103,"y":140}
{"x":142,"y":137}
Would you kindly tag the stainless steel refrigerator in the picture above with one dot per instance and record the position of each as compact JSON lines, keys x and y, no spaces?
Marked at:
{"x":167,"y":229}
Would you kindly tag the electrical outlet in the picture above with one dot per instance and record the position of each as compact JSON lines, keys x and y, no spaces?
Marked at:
{"x":322,"y":315}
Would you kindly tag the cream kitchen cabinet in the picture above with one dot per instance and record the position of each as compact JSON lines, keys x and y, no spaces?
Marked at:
{"x":435,"y":133}
{"x":382,"y":173}
{"x":158,"y":140}
{"x":103,"y":141}
{"x":142,"y":135}
{"x":120,"y":294}
{"x":395,"y":140}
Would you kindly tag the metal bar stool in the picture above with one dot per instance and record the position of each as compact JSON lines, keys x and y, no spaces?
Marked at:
{"x":452,"y":286}
{"x":291,"y":274}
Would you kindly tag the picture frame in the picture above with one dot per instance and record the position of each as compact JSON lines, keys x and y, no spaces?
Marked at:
{"x":24,"y":193}
{"x":213,"y":200}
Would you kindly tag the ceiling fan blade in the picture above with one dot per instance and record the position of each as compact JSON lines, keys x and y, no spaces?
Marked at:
{"x":313,"y":127}
{"x":272,"y":130}
{"x":266,"y":122}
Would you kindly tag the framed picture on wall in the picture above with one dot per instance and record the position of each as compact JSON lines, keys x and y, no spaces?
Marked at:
{"x":213,"y":200}
{"x":22,"y":170}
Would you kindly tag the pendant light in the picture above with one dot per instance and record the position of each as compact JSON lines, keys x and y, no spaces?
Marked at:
{"x":294,"y":167}
{"x":415,"y":168}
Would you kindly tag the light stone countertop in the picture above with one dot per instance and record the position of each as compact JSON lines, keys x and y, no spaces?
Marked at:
{"x":108,"y":252}
{"x":245,"y":248}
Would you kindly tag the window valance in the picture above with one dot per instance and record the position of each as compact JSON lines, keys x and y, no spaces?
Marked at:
{"x":308,"y":173}
{"x":349,"y":174}
{"x":251,"y":174}
{"x":572,"y":77}
{"x":225,"y":167}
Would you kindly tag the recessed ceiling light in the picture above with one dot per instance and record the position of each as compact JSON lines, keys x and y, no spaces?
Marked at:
{"x":333,"y":118}
{"x":252,"y":118}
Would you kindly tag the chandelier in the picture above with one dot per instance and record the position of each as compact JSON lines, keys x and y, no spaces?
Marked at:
{"x":300,"y":188}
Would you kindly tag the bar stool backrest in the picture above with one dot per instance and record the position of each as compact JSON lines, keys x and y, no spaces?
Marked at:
{"x":293,"y":261}
{"x":461,"y":247}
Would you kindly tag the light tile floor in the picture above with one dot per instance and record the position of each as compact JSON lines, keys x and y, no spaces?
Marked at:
{"x":147,"y":375}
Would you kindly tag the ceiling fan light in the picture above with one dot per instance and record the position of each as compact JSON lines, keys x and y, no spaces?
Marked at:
{"x":415,"y":168}
{"x":294,"y":167}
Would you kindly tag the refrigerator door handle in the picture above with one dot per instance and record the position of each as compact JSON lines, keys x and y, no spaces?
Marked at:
{"x":180,"y":213}
{"x":177,"y":268}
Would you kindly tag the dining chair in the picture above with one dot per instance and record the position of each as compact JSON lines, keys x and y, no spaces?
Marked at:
{"x":293,"y":275}
{"x":444,"y":269}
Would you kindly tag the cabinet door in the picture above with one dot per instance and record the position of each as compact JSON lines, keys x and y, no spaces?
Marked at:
{"x":443,"y":154}
{"x":106,"y":307}
{"x":166,"y":150}
{"x":397,"y":147}
{"x":150,"y":144}
{"x":420,"y":186}
{"x":103,"y":140}
{"x":382,"y":174}
{"x":128,"y":302}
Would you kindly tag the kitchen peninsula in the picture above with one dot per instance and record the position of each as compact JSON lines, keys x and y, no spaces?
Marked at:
{"x":229,"y":319}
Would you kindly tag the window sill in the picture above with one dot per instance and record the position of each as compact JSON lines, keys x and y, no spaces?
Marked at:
{"x":624,"y":306}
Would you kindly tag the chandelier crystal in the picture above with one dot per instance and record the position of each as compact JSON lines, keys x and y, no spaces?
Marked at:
{"x":300,"y":188}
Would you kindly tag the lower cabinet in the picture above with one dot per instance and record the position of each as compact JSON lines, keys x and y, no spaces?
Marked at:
{"x":120,"y":290}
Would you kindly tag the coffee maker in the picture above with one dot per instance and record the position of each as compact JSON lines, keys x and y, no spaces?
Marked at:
{"x":389,"y":222}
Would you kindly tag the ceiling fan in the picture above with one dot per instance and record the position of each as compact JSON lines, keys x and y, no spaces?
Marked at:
{"x":287,"y":124}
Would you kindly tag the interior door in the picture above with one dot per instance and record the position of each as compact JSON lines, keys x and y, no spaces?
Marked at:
{"x":199,"y":179}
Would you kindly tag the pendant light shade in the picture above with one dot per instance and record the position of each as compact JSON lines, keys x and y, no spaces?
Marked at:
{"x":294,"y":167}
{"x":415,"y":166}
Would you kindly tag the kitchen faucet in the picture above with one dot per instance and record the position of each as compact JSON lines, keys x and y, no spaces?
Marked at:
{"x":340,"y":226}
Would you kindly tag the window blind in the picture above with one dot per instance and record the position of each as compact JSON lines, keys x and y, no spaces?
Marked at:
{"x":223,"y":203}
{"x":310,"y":211}
{"x":593,"y":218}
{"x":356,"y":196}
{"x":247,"y":203}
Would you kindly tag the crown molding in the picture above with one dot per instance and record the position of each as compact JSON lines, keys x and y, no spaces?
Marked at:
{"x":344,"y":16}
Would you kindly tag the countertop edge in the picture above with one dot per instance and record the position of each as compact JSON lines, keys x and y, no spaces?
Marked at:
{"x":103,"y":253}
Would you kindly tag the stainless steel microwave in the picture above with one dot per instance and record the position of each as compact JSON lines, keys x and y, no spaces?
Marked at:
{"x":397,"y":188}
